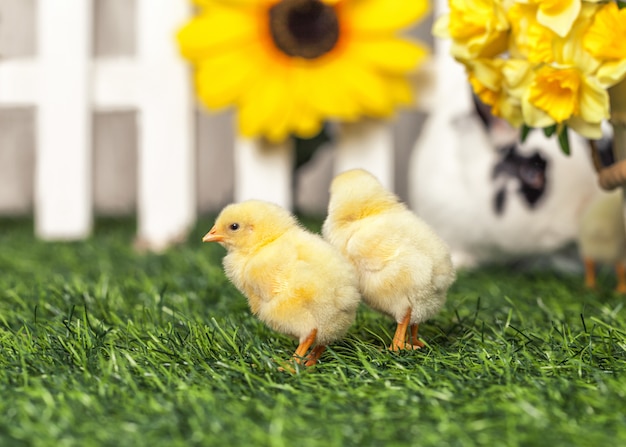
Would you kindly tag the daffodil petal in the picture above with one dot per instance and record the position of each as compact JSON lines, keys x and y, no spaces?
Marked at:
{"x":606,"y":37}
{"x":594,"y":101}
{"x":558,"y":15}
{"x":610,"y":73}
{"x":383,"y":15}
{"x":518,"y":75}
{"x":535,"y":117}
{"x":592,"y":131}
{"x":441,"y":27}
{"x":510,"y":110}
{"x":479,"y":28}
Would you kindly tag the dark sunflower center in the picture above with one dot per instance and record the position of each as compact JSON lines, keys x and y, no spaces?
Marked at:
{"x":304,"y":28}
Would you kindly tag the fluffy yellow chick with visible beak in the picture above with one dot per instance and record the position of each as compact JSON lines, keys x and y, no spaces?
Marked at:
{"x":602,"y":237}
{"x":404,"y":268}
{"x":294,"y":281}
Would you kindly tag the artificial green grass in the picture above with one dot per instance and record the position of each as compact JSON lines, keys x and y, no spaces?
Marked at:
{"x":101,"y":346}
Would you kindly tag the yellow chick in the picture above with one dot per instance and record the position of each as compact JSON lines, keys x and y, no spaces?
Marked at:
{"x":295,"y":282}
{"x":404,"y":268}
{"x":602,"y":238}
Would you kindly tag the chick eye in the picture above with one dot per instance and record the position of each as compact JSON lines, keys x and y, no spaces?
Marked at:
{"x":234,"y":226}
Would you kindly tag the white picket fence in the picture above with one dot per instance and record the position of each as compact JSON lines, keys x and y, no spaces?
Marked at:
{"x":65,"y":85}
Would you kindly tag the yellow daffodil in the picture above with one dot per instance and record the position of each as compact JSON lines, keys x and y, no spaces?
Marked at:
{"x":556,"y":92}
{"x":500,"y":84}
{"x":289,"y":65}
{"x":478,"y":28}
{"x":541,"y":62}
{"x":566,"y":95}
{"x":606,"y":40}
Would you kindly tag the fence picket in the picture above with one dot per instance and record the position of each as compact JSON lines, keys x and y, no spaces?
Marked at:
{"x":63,"y":208}
{"x":167,"y":205}
{"x":18,"y":83}
{"x":263,"y":171}
{"x":367,"y":144}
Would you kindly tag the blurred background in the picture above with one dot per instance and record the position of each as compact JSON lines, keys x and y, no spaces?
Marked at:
{"x":115,"y":135}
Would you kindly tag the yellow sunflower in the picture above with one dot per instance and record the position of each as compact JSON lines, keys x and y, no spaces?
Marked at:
{"x":289,"y":65}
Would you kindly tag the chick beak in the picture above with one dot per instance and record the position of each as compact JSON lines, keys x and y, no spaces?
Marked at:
{"x":213,"y":236}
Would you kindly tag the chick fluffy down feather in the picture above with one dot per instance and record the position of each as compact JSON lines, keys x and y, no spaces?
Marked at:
{"x":294,"y":280}
{"x":401,"y":263}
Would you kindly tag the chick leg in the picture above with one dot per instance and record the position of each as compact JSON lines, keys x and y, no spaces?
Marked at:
{"x":620,"y":269}
{"x":399,"y":338}
{"x":301,"y":350}
{"x":304,"y":346}
{"x":415,"y":342}
{"x":590,"y":273}
{"x":315,"y":355}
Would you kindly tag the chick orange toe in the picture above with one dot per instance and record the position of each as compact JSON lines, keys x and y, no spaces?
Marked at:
{"x":406,"y":346}
{"x":315,"y":355}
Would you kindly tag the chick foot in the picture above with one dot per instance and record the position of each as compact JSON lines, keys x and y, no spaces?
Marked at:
{"x":315,"y":355}
{"x":620,"y":269}
{"x":590,"y":273}
{"x":301,"y":350}
{"x":399,"y":339}
{"x":415,"y":341}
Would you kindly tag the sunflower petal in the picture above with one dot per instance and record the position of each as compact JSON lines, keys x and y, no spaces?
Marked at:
{"x":264,"y":106}
{"x":401,"y":90}
{"x":390,"y":55}
{"x":324,"y":93}
{"x":222,"y":27}
{"x":383,"y":15}
{"x":272,"y":107}
{"x":223,"y":78}
{"x":367,"y":89}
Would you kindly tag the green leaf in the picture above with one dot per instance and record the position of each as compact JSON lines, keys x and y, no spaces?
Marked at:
{"x":564,"y":140}
{"x":621,"y":4}
{"x":549,"y":131}
{"x":525,"y":130}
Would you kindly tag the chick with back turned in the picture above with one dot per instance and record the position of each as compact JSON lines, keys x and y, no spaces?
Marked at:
{"x":404,"y":268}
{"x":294,"y":281}
{"x":602,"y":237}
